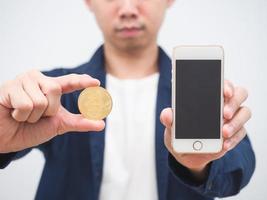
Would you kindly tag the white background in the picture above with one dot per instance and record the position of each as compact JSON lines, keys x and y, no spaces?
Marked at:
{"x":46,"y":34}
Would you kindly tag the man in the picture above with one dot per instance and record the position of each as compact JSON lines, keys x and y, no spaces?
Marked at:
{"x":132,"y":158}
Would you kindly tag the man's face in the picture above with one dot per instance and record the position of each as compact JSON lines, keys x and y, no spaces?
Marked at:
{"x":129,"y":24}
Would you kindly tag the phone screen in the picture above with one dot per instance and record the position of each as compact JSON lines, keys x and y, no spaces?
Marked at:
{"x":198,"y":104}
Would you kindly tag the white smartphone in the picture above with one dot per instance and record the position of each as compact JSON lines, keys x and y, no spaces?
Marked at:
{"x":197,"y":99}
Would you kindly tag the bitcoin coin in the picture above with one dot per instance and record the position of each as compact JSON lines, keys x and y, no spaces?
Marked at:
{"x":95,"y":103}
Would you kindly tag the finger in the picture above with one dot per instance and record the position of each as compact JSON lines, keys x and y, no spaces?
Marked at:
{"x":238,"y":121}
{"x":230,"y":143}
{"x":52,"y":90}
{"x":76,"y":122}
{"x":230,"y":107}
{"x":38,"y":99}
{"x":72,"y":82}
{"x":167,"y":140}
{"x":166,"y":120}
{"x":21,"y":103}
{"x":166,"y":117}
{"x":228,"y":89}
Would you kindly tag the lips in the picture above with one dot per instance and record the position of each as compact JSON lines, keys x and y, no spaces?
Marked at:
{"x":130,"y":31}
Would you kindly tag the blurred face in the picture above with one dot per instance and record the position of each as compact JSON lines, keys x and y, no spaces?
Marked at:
{"x":129,"y":24}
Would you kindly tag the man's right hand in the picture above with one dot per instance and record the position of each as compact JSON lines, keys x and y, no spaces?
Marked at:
{"x":31,"y":112}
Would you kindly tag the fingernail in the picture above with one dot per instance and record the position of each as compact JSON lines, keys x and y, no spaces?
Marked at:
{"x":98,"y":82}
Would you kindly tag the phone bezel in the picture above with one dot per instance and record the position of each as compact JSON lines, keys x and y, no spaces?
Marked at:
{"x":207,"y":52}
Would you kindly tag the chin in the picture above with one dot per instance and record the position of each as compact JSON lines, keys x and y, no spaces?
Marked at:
{"x":131,"y":44}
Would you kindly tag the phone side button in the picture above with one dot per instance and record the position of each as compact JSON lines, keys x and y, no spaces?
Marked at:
{"x":197,"y":145}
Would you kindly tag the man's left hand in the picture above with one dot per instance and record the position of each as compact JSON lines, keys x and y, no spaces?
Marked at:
{"x":233,"y":131}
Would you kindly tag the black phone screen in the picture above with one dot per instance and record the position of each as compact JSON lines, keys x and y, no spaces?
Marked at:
{"x":198,"y":103}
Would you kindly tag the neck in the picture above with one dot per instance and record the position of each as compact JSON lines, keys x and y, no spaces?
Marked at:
{"x":132,"y":64}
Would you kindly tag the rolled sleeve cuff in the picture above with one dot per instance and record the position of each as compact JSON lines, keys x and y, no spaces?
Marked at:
{"x":183,"y":174}
{"x":6,"y":158}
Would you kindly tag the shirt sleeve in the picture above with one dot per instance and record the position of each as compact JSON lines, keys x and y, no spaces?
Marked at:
{"x":6,"y":158}
{"x":226,"y":176}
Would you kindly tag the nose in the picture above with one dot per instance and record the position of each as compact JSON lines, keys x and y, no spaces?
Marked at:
{"x":128,"y":9}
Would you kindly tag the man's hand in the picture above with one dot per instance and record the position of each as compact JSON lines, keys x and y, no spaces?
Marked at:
{"x":31,"y":112}
{"x":235,"y":117}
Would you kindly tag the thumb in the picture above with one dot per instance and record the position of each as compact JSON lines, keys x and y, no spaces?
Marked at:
{"x":76,"y":122}
{"x":166,"y":117}
{"x":71,"y":82}
{"x":166,"y":120}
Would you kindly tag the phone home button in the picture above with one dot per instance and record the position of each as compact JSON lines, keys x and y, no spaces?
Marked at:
{"x":197,"y":145}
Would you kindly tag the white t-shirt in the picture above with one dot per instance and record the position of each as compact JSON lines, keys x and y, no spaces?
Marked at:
{"x":129,"y":171}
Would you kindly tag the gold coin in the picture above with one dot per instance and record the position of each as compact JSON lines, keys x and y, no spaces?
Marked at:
{"x":95,"y":103}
